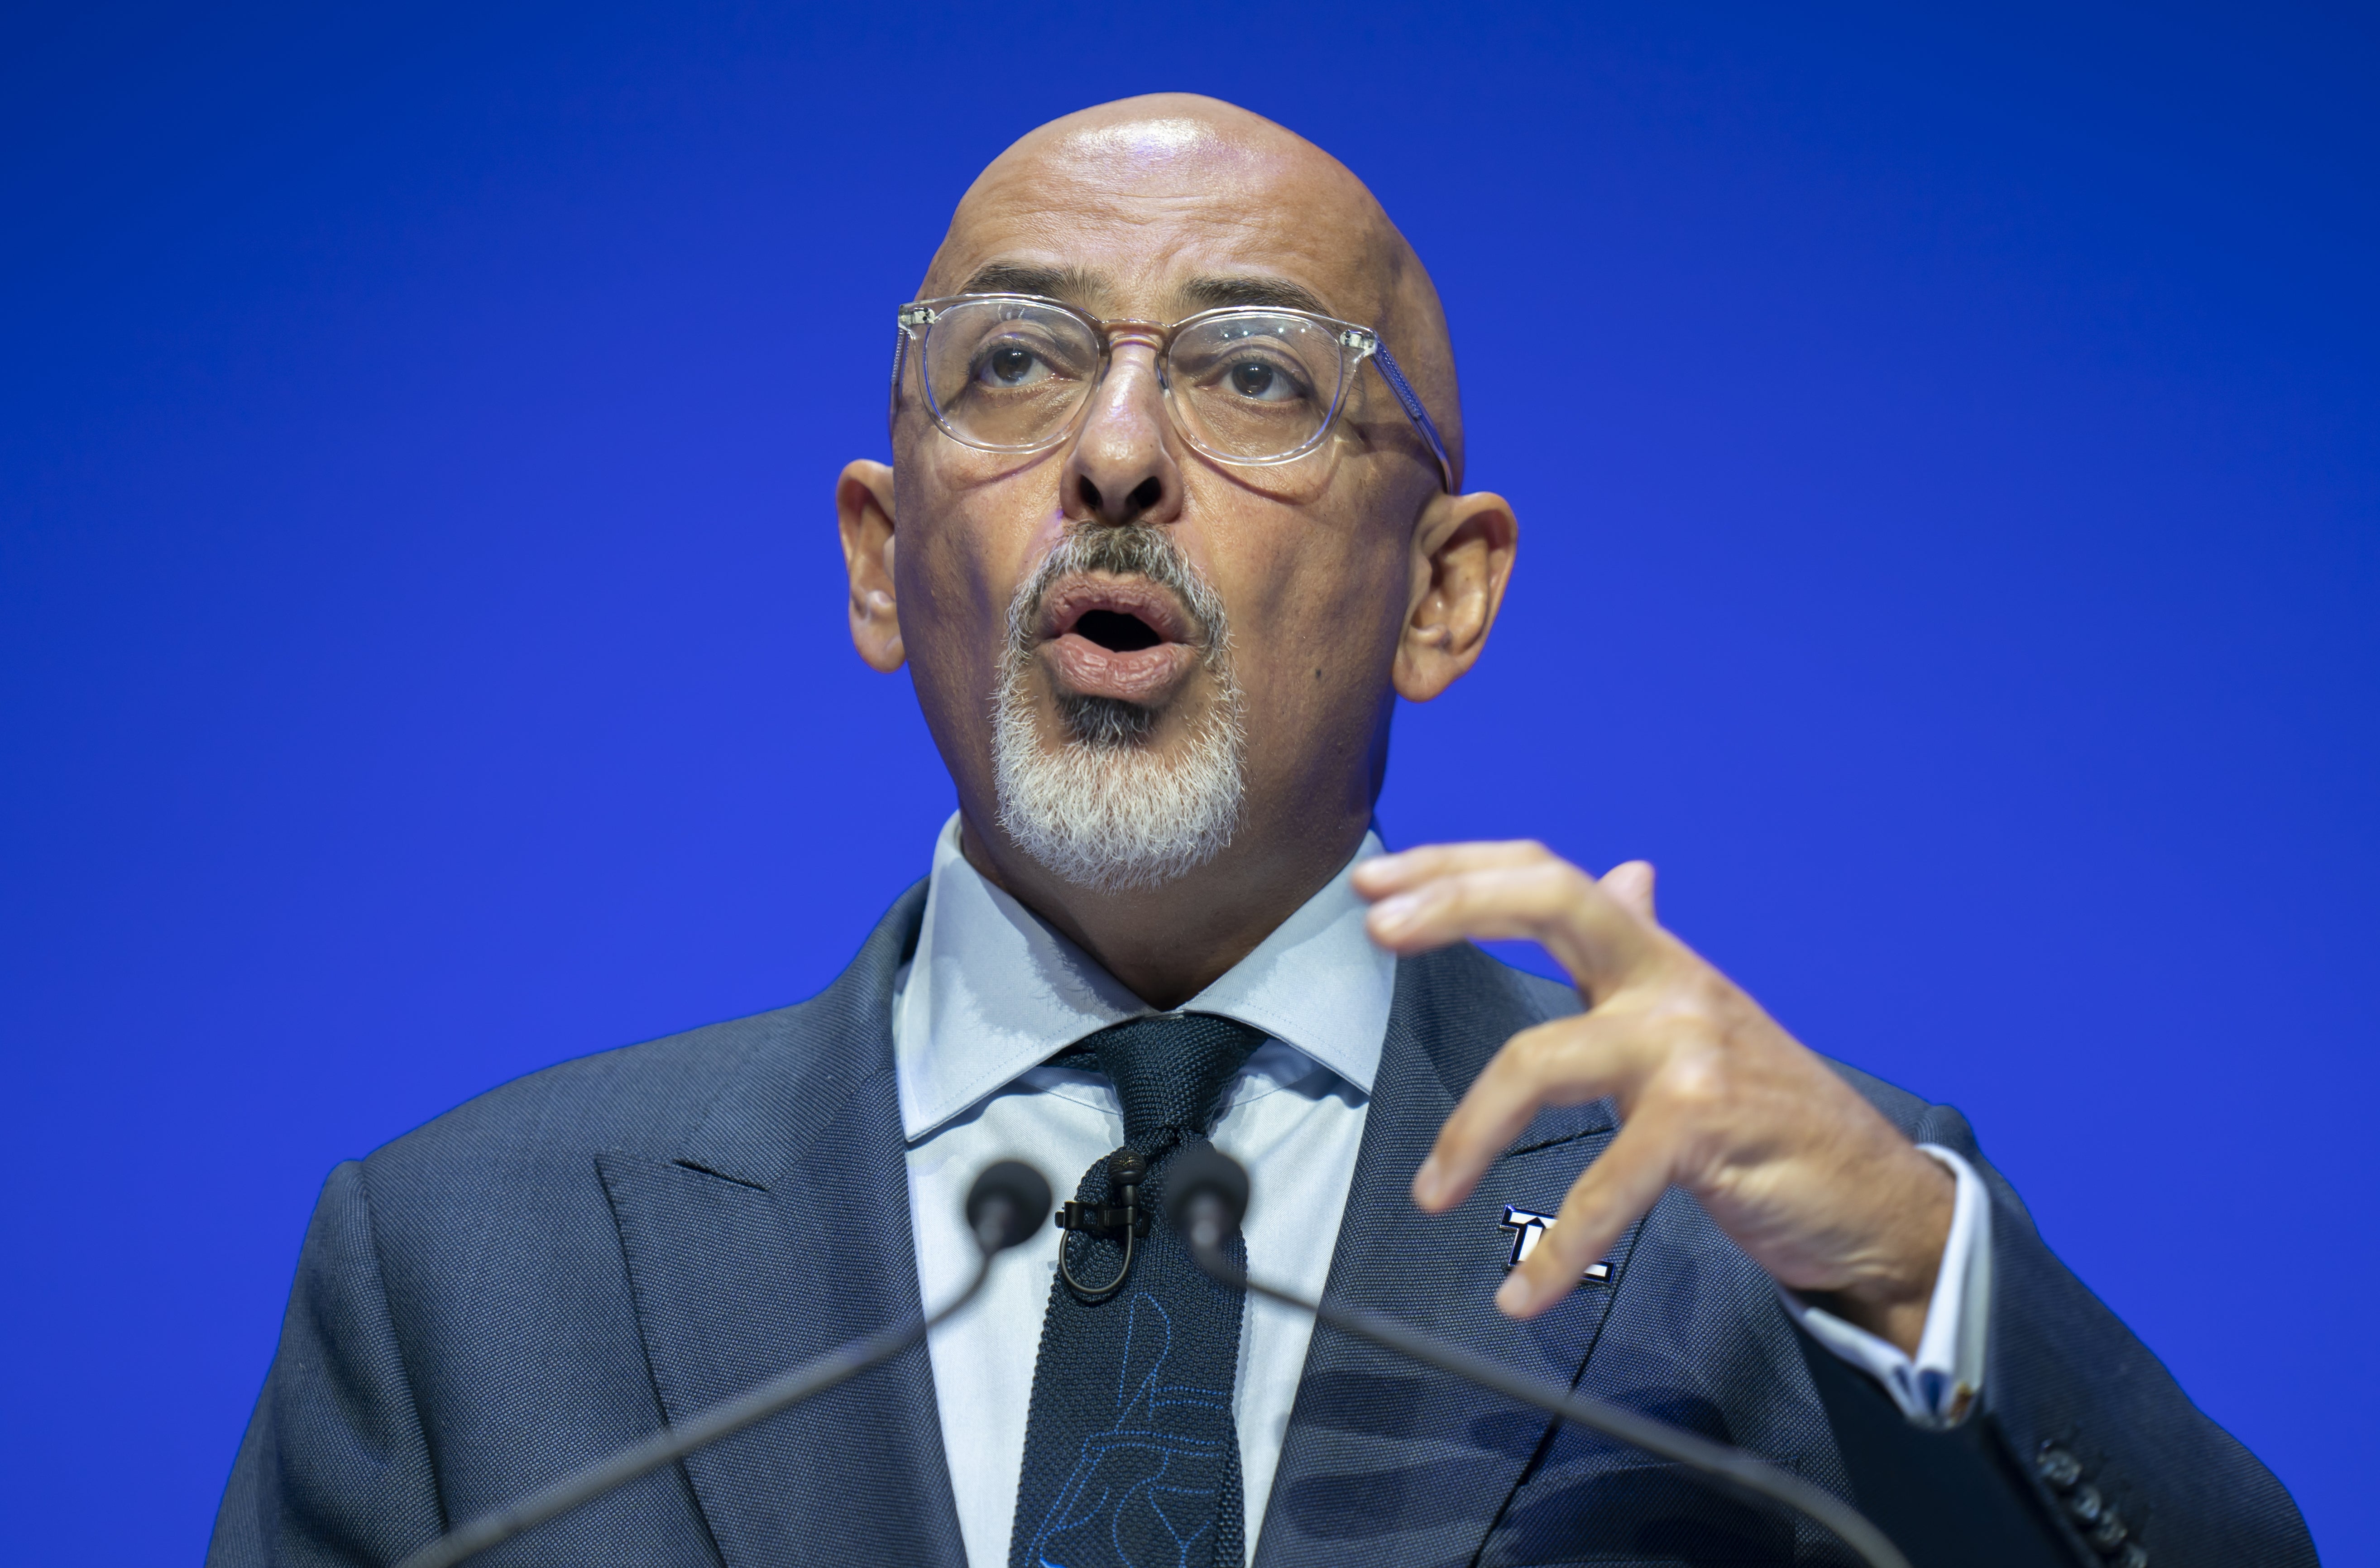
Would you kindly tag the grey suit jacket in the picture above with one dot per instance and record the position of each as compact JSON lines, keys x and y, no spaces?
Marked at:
{"x":556,"y":1267}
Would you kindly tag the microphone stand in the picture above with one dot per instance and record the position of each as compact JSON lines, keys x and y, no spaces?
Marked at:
{"x":1730,"y":1469}
{"x":1000,"y":1219}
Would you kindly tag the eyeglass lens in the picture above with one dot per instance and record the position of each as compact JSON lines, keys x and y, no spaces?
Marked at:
{"x":1252,"y":385}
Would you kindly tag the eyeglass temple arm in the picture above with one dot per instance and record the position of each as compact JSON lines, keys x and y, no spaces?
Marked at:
{"x":900,"y":357}
{"x":1414,"y":411}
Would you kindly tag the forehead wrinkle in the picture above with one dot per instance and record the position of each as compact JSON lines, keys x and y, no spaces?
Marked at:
{"x":1226,"y":206}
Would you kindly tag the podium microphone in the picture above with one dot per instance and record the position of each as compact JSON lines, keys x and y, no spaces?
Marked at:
{"x":1207,"y":1195}
{"x":1008,"y":1203}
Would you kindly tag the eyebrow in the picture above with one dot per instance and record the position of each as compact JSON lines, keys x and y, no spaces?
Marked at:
{"x":1071,"y":284}
{"x":1214,"y":293}
{"x":1079,"y":286}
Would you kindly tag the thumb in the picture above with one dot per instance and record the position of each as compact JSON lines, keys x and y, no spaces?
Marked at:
{"x":1630,"y":884}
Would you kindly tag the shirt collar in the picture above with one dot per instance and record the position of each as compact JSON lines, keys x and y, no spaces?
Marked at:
{"x":994,"y":991}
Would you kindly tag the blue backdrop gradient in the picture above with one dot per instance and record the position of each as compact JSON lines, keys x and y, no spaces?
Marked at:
{"x":1949,"y":471}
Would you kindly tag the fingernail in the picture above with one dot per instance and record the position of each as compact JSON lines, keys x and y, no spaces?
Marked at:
{"x":1513,"y":1297}
{"x":1428,"y":1182}
{"x":1390,"y":913}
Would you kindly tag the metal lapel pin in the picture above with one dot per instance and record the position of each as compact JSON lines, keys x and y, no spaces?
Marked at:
{"x":1526,"y":1228}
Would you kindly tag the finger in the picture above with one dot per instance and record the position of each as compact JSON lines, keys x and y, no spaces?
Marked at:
{"x":1630,"y":884}
{"x":1385,"y":874}
{"x":1552,"y":902}
{"x":1567,"y":1062}
{"x":1627,"y":1179}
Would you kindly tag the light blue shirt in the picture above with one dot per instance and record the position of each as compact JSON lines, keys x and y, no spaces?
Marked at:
{"x":993,"y":991}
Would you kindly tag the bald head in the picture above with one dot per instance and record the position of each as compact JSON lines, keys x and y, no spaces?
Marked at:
{"x":1158,"y":206}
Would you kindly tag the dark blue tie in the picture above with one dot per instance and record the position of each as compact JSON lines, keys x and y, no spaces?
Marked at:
{"x":1132,"y":1459}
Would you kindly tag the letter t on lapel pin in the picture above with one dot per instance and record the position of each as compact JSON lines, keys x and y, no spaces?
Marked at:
{"x":1526,"y":1228}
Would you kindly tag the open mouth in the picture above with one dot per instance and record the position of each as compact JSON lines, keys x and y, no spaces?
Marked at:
{"x":1116,"y":631}
{"x":1125,"y":638}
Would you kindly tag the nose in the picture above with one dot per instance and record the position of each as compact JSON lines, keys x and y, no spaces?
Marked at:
{"x":1122,"y":468}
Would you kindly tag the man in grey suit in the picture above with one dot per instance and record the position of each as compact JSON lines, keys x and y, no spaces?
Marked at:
{"x":1175,"y":515}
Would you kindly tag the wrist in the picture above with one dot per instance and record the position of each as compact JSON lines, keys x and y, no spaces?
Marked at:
{"x":1889,"y":1298}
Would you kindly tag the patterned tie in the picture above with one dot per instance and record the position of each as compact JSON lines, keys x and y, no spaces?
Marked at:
{"x":1132,"y":1459}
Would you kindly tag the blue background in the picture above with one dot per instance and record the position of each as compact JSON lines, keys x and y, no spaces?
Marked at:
{"x":1946,"y":448}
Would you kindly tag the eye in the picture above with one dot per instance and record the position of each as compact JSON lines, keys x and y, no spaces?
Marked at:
{"x":1262,"y":380}
{"x":1010,"y":364}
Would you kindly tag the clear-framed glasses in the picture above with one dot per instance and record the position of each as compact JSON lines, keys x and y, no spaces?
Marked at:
{"x":1247,"y":385}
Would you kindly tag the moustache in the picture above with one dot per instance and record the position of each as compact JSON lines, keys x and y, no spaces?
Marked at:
{"x":1136,"y":550}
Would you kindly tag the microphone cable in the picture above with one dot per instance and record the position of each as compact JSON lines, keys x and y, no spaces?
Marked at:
{"x":1007,"y":1204}
{"x":1207,"y":1195}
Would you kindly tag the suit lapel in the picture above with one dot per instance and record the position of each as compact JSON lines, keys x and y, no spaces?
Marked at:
{"x":1386,"y":1460}
{"x":779,"y":1231}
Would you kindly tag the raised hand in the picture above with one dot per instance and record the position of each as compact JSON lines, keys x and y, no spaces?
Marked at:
{"x":1714,"y":1096}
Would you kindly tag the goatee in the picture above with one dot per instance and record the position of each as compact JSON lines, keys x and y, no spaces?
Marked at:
{"x":1101,"y":810}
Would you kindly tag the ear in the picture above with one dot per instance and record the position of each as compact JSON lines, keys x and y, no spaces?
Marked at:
{"x":1462,"y":559}
{"x":863,"y":505}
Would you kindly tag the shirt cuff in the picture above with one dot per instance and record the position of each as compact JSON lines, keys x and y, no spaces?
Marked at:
{"x":1935,"y":1387}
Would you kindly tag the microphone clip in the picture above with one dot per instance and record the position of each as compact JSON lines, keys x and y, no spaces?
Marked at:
{"x":1119,"y":1221}
{"x":1102,"y":1222}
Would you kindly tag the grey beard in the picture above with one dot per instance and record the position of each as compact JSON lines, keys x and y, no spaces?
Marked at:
{"x":1100,"y":811}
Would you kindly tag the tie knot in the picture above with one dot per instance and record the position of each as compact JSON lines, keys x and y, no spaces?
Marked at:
{"x":1170,"y":1071}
